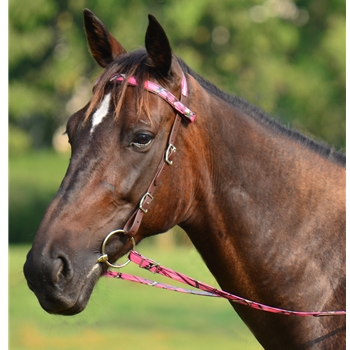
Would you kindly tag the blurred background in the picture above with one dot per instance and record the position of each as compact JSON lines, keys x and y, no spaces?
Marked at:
{"x":287,"y":57}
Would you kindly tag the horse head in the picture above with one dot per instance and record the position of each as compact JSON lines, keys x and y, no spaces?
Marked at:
{"x":117,"y":143}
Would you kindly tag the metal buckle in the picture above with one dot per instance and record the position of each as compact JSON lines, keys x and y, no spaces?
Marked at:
{"x":142,"y":201}
{"x":171,"y":148}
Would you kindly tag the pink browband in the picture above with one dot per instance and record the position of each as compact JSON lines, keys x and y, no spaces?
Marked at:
{"x":163,"y":93}
{"x":205,"y":290}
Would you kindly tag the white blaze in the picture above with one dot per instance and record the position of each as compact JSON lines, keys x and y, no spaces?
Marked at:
{"x":101,"y":112}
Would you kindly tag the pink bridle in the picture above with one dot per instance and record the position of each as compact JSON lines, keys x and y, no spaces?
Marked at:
{"x":131,"y":227}
{"x":134,"y":222}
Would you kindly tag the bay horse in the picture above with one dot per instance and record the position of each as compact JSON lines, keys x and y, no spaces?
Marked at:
{"x":263,"y":204}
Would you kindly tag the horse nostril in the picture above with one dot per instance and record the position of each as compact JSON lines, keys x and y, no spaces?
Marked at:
{"x":61,"y":269}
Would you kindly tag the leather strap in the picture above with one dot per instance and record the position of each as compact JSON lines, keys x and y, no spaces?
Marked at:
{"x":134,"y":222}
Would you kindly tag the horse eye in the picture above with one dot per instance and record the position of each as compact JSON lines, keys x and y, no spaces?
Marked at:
{"x":142,"y":140}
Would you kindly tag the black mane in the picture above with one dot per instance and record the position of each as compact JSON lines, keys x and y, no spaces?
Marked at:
{"x":320,"y":147}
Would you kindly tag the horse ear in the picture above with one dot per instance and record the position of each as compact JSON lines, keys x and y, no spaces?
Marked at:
{"x":158,"y":47}
{"x":103,"y":46}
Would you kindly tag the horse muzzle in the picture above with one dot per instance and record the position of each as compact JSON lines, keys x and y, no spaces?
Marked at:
{"x":60,"y":287}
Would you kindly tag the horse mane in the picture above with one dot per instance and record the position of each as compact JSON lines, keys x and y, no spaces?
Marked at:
{"x":320,"y":147}
{"x":136,"y":64}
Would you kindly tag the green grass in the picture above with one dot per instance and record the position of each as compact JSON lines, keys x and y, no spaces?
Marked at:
{"x":124,"y":315}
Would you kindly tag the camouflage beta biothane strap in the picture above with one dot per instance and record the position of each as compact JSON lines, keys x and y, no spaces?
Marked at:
{"x":205,"y":289}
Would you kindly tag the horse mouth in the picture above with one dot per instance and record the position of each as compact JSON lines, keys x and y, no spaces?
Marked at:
{"x":84,"y":294}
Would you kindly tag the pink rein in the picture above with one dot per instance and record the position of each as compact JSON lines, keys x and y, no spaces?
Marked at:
{"x":205,"y":289}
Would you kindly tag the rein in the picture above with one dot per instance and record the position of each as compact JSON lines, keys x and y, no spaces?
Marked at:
{"x":205,"y":289}
{"x":131,"y":227}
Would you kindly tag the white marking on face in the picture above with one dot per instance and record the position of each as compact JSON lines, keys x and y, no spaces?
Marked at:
{"x":101,"y":112}
{"x":96,"y":266}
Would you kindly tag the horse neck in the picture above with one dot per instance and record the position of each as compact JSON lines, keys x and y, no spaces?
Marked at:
{"x":257,"y":216}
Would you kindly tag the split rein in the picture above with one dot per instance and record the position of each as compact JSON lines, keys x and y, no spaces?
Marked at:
{"x":131,"y":227}
{"x":204,"y":289}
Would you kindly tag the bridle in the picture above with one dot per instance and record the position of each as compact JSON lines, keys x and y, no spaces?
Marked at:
{"x":131,"y":227}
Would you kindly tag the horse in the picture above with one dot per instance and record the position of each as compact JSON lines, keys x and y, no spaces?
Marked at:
{"x":158,"y":146}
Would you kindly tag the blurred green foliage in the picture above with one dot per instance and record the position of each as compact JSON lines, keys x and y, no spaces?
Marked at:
{"x":287,"y":57}
{"x":34,"y":179}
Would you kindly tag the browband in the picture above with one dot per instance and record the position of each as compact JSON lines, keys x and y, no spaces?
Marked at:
{"x":163,"y":93}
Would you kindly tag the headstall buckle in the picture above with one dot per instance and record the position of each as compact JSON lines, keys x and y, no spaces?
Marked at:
{"x":169,"y":151}
{"x":142,"y":201}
